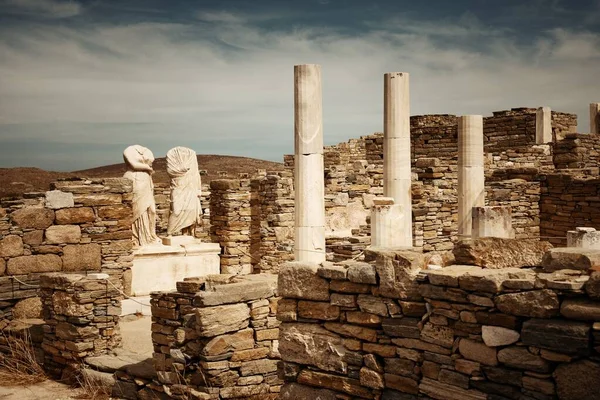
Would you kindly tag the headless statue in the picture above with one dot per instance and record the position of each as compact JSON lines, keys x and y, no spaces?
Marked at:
{"x":138,"y":160}
{"x":186,"y":211}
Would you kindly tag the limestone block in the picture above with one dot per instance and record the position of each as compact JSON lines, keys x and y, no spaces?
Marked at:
{"x":580,"y":309}
{"x":11,"y":246}
{"x":352,"y":331}
{"x":361,"y":272}
{"x":33,"y":238}
{"x":64,"y":303}
{"x":301,"y":281}
{"x":397,"y":271}
{"x":587,"y":238}
{"x":308,"y":110}
{"x":500,"y":253}
{"x":521,"y":358}
{"x":543,"y":125}
{"x":493,"y":221}
{"x":449,"y":275}
{"x":77,"y":215}
{"x":28,"y":308}
{"x":294,"y":391}
{"x":494,"y":336}
{"x":318,"y":310}
{"x":561,"y":336}
{"x":312,"y":345}
{"x":571,"y":258}
{"x":477,"y":351}
{"x":60,"y":234}
{"x":56,"y":199}
{"x":214,"y":321}
{"x":258,"y":367}
{"x":238,"y":341}
{"x":82,"y":257}
{"x":31,"y":264}
{"x":264,"y":287}
{"x":334,"y":382}
{"x":330,"y":271}
{"x":491,"y":280}
{"x":97,"y":199}
{"x":33,"y":217}
{"x":579,"y":380}
{"x":536,"y":303}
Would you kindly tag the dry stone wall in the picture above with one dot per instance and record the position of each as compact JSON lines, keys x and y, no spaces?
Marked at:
{"x":385,"y":330}
{"x":217,"y":338}
{"x":79,"y":226}
{"x":578,"y":150}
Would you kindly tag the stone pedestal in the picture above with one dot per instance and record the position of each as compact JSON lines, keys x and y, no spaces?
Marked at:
{"x":587,"y":238}
{"x":309,"y":181}
{"x":386,"y":217}
{"x":493,"y":221}
{"x":471,"y":180}
{"x":159,"y":267}
{"x":396,"y":153}
{"x":595,"y":118}
{"x":543,"y":125}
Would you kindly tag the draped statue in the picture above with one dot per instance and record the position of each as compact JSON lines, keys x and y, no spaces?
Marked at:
{"x":186,"y":211}
{"x":138,"y":160}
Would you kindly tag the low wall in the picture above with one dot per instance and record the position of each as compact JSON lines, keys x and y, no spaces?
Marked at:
{"x":81,"y":225}
{"x":386,"y":330}
{"x":216,"y":337}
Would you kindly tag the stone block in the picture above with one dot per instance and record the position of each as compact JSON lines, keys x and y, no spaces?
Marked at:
{"x":61,"y":234}
{"x":592,"y":287}
{"x":334,"y":382}
{"x":97,"y":199}
{"x":402,"y":327}
{"x":561,"y":336}
{"x":580,"y":309}
{"x":521,"y":358}
{"x":492,"y":221}
{"x":448,"y":276}
{"x":318,"y":310}
{"x":352,"y":331}
{"x":494,"y":336}
{"x":56,"y":199}
{"x":294,"y":391}
{"x":242,"y":340}
{"x":360,"y":272}
{"x":587,"y":238}
{"x":258,"y":367}
{"x":536,"y":303}
{"x":260,"y":287}
{"x":301,"y":281}
{"x":500,"y":253}
{"x":571,"y":258}
{"x":78,"y":215}
{"x":373,"y":304}
{"x":32,"y":264}
{"x":214,"y":321}
{"x":33,"y":238}
{"x":11,"y":246}
{"x":333,"y":272}
{"x":491,"y":280}
{"x":397,"y":271}
{"x":440,"y":390}
{"x":82,"y":257}
{"x":477,"y":351}
{"x":28,"y":308}
{"x":33,"y":218}
{"x":579,"y":380}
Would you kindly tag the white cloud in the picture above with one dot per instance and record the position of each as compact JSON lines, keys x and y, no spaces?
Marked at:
{"x":230,"y":90}
{"x":44,"y":8}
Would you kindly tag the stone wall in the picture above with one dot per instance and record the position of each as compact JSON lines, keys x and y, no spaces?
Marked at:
{"x":568,"y":201}
{"x":217,"y":338}
{"x":387,"y":330}
{"x":577,"y":150}
{"x":80,"y":226}
{"x":81,"y":316}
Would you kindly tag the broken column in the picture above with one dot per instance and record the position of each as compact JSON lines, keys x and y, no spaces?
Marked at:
{"x":595,"y":118}
{"x":543,"y":125}
{"x":396,"y":166}
{"x":308,"y":166}
{"x":492,"y":221}
{"x":586,"y":238}
{"x":471,"y":181}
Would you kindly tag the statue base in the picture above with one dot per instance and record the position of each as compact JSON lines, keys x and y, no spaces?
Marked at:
{"x":157,"y":267}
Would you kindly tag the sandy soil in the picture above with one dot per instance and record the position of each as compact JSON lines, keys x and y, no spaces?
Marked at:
{"x":48,"y":390}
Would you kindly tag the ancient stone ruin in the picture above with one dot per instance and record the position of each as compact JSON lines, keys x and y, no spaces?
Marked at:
{"x":449,"y":257}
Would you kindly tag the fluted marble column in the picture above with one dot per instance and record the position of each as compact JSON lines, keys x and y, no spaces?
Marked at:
{"x":308,"y":165}
{"x":543,"y":125}
{"x":471,"y":180}
{"x":595,"y":118}
{"x":396,"y":153}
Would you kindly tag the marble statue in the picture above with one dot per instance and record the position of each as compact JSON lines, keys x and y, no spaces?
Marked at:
{"x":186,"y":211}
{"x":138,"y":160}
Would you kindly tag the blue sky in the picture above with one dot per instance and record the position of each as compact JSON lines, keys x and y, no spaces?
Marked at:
{"x":82,"y":80}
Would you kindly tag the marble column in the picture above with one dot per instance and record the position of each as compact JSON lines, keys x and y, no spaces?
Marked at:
{"x":396,"y":153}
{"x":309,"y":181}
{"x":595,"y":118}
{"x":471,"y":181}
{"x":543,"y":125}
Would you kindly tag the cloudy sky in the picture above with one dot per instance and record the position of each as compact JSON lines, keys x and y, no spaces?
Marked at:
{"x":81,"y":80}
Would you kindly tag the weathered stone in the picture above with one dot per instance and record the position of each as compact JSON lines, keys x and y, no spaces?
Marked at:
{"x":287,"y":310}
{"x":358,"y":332}
{"x":258,"y":367}
{"x":443,"y":391}
{"x":214,"y":321}
{"x":33,"y":238}
{"x":250,"y":354}
{"x":402,"y":327}
{"x":259,"y":288}
{"x":349,"y":287}
{"x":249,"y":391}
{"x":361,"y":318}
{"x":77,"y":215}
{"x":571,"y":258}
{"x":294,"y":391}
{"x":454,"y":378}
{"x":318,"y":310}
{"x":399,"y":366}
{"x":103,"y":382}
{"x":61,"y":234}
{"x":503,"y":375}
{"x":64,"y":303}
{"x":536,"y":303}
{"x":334,"y":382}
{"x":312,"y":345}
{"x":2,"y":266}
{"x":413,"y":309}
{"x":496,"y":319}
{"x":420,"y":345}
{"x":494,"y":336}
{"x":491,"y":252}
{"x":448,"y":276}
{"x":430,"y":370}
{"x":397,"y":271}
{"x":82,"y":257}
{"x":267,"y":334}
{"x":581,"y":309}
{"x":343,"y":300}
{"x":436,"y":334}
{"x":27,"y":308}
{"x":372,"y":304}
{"x":477,"y":351}
{"x":333,"y":272}
{"x":466,"y":366}
{"x":519,"y":357}
{"x":538,"y":385}
{"x":592,"y":287}
{"x":443,"y":293}
{"x":300,"y":280}
{"x":360,"y":272}
{"x":578,"y":381}
{"x":11,"y":246}
{"x":68,"y":331}
{"x":33,"y":217}
{"x":222,"y":344}
{"x":558,"y":335}
{"x":371,"y":379}
{"x":491,"y":280}
{"x":382,"y":350}
{"x":98,"y":199}
{"x":31,"y":264}
{"x":401,"y":383}
{"x":56,"y":199}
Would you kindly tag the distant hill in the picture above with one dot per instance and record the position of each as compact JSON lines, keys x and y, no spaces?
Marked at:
{"x":16,"y":181}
